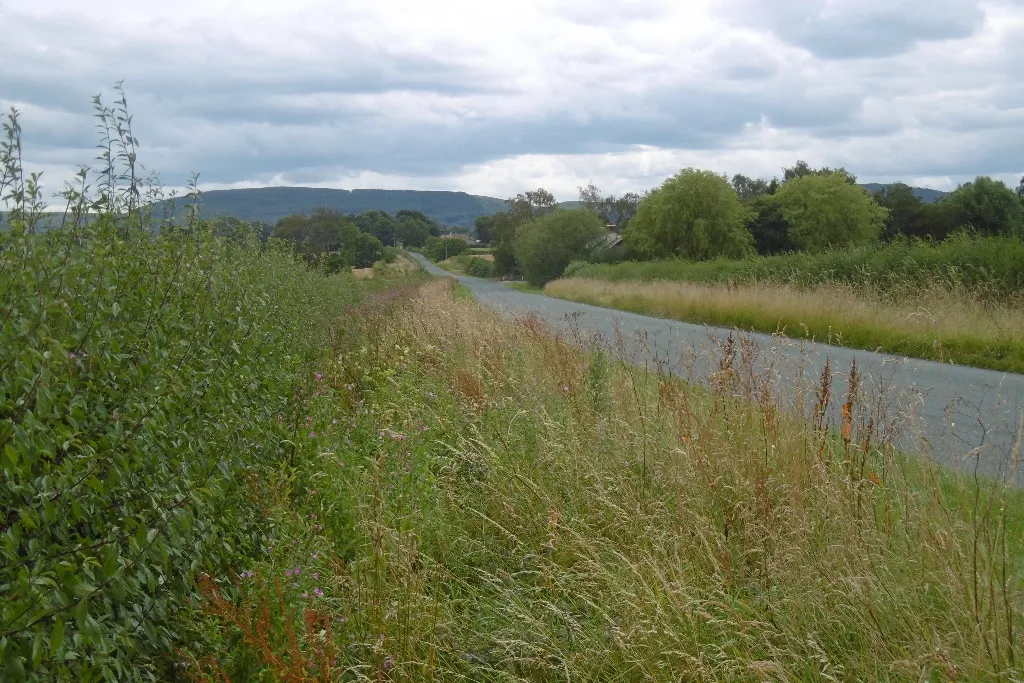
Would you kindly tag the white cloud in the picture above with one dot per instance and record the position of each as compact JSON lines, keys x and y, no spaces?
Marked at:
{"x":494,"y":97}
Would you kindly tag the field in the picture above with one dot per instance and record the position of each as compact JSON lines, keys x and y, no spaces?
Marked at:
{"x":482,"y":501}
{"x":960,"y":301}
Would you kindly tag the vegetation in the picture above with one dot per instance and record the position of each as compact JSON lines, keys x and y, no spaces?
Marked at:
{"x":546,"y":245}
{"x":936,"y":322}
{"x":694,"y":214}
{"x":439,"y":249}
{"x":494,"y":504}
{"x":992,"y":267}
{"x":329,"y":237}
{"x":826,"y":211}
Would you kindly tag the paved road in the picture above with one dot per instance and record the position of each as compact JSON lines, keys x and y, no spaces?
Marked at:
{"x":963,"y":417}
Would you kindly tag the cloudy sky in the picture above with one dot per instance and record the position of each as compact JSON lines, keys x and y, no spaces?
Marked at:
{"x":497,"y":96}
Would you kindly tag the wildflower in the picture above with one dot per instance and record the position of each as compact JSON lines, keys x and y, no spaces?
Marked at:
{"x":313,"y":516}
{"x":425,"y":428}
{"x":334,"y":421}
{"x":296,"y":571}
{"x":312,"y":435}
{"x":430,"y":394}
{"x":389,"y":662}
{"x":318,"y":593}
{"x":319,"y":376}
{"x":315,"y":555}
{"x":313,"y":492}
{"x":565,"y":387}
{"x":350,"y":387}
{"x":309,"y":418}
{"x":316,"y":575}
{"x":305,"y":595}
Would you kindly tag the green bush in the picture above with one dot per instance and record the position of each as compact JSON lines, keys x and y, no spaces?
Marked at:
{"x":546,"y":245}
{"x":993,"y":266}
{"x":150,"y":372}
{"x":478,"y":267}
{"x":575,"y":267}
{"x":439,"y":249}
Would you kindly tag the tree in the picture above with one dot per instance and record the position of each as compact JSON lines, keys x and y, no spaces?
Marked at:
{"x":986,"y":205}
{"x":768,"y":226}
{"x":366,"y":250}
{"x":694,"y":214}
{"x":522,"y":208}
{"x":616,"y":211}
{"x":802,"y":169}
{"x":1020,"y":189}
{"x":381,"y":225}
{"x":827,"y":211}
{"x":483,"y":226}
{"x":329,"y":238}
{"x":749,"y":188}
{"x":438,"y":249}
{"x":546,"y":245}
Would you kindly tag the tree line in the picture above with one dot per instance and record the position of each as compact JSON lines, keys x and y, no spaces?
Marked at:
{"x":700,"y":215}
{"x":339,"y":241}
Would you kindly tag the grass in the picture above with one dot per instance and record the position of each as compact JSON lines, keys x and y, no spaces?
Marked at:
{"x":991,"y":268}
{"x":478,"y":500}
{"x":934,"y":323}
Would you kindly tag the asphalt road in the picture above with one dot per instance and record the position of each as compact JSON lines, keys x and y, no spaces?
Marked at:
{"x":963,"y":417}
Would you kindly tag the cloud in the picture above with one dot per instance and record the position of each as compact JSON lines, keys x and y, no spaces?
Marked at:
{"x":496,"y":97}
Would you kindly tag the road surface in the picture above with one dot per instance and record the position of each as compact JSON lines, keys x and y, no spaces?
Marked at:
{"x":963,"y":417}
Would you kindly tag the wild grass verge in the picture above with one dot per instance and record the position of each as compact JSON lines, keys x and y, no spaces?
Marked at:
{"x":478,"y":500}
{"x":936,"y":322}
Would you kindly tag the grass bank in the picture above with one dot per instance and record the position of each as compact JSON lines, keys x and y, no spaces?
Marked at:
{"x":472,"y":499}
{"x":936,"y":323}
{"x":991,"y":268}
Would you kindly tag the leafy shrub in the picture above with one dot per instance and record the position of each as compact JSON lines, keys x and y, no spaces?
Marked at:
{"x":993,"y":266}
{"x":574,"y":267}
{"x":546,"y":245}
{"x":438,"y":249}
{"x":478,"y":267}
{"x":826,"y":211}
{"x":150,"y":371}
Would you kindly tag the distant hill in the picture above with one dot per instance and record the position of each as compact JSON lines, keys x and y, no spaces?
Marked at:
{"x":268,"y":204}
{"x":923,"y":193}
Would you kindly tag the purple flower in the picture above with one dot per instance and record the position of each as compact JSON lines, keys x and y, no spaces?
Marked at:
{"x":313,"y":516}
{"x":313,"y":492}
{"x":425,"y":427}
{"x":389,"y":662}
{"x":318,"y":376}
{"x":296,"y":571}
{"x":312,"y":435}
{"x":318,"y":593}
{"x":316,"y":575}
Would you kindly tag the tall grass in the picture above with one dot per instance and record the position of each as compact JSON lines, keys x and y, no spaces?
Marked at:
{"x":990,"y":267}
{"x":483,"y":501}
{"x":937,"y":322}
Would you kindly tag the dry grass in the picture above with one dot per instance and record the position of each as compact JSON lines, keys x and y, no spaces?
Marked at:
{"x":936,"y":322}
{"x":515,"y":509}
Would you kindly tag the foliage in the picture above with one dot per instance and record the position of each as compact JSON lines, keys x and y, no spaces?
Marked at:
{"x":612,"y":210}
{"x":496,"y":504}
{"x":802,"y":170}
{"x":992,"y":266}
{"x":546,"y":245}
{"x":381,"y":225}
{"x":828,"y":211}
{"x":768,"y":226}
{"x":986,"y":206}
{"x":694,"y":215}
{"x":909,"y":216}
{"x":750,"y":188}
{"x":438,"y":249}
{"x":478,"y":267}
{"x":150,"y":369}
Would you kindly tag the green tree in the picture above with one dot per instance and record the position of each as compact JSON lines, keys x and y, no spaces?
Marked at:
{"x":911,"y":217}
{"x":988,"y":206}
{"x":749,"y":188}
{"x":366,"y":250}
{"x":483,"y":225}
{"x":439,"y":249}
{"x":768,"y":226}
{"x":802,"y":169}
{"x":381,"y":225}
{"x":827,"y":211}
{"x":546,"y":245}
{"x":616,"y":211}
{"x":694,"y":214}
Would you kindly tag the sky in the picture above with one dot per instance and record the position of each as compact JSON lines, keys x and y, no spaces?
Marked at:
{"x":495,"y":97}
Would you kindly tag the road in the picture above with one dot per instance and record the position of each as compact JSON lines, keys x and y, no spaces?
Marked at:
{"x":963,"y":417}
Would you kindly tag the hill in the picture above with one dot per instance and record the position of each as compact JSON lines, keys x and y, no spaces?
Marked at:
{"x":268,"y":204}
{"x":925,"y":194}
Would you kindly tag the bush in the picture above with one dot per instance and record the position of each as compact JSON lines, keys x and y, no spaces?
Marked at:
{"x":826,"y":211}
{"x":150,"y":374}
{"x":992,"y":266}
{"x":546,"y":245}
{"x":478,"y":267}
{"x":694,"y":215}
{"x":574,"y":267}
{"x":439,"y":249}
